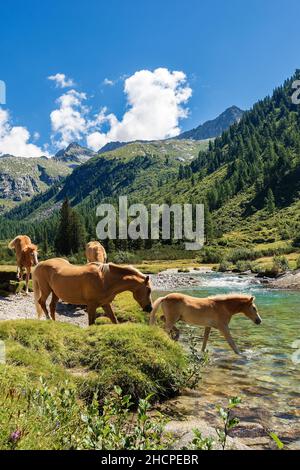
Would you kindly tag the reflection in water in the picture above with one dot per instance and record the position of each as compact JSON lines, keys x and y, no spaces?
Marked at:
{"x":266,"y":376}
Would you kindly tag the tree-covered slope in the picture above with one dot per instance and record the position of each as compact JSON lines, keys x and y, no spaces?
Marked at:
{"x":248,"y":178}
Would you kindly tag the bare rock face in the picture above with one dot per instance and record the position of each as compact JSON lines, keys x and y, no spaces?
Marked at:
{"x":18,"y":188}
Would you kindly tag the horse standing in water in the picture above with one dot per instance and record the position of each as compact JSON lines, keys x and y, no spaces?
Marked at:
{"x":26,"y":254}
{"x":94,"y":285}
{"x":211,"y":312}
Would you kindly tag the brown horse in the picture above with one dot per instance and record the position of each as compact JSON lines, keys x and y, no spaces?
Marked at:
{"x":94,"y":285}
{"x":26,"y":254}
{"x":95,"y":252}
{"x":211,"y":312}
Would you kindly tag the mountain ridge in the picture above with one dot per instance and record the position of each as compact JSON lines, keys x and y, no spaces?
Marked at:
{"x":214,"y":127}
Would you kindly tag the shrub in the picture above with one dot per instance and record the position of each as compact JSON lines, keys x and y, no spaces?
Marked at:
{"x":280,"y":264}
{"x":122,"y":257}
{"x":224,"y":266}
{"x":242,"y":254}
{"x":61,"y":421}
{"x":296,"y":241}
{"x":243,"y":266}
{"x":210,"y":254}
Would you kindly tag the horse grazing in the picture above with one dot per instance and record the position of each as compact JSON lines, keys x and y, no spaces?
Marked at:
{"x":95,"y":252}
{"x":26,"y":254}
{"x":211,"y":312}
{"x":94,"y":285}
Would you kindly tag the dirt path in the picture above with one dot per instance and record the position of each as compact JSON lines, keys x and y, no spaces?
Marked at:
{"x":21,"y":306}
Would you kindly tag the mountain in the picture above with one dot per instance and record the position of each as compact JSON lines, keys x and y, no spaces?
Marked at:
{"x":136,"y":167}
{"x":111,"y":146}
{"x":215,"y":127}
{"x":74,"y":154}
{"x":248,"y":179}
{"x":22,"y":178}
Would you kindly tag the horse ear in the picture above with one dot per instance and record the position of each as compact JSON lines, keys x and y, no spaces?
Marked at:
{"x":147,"y":279}
{"x":252,"y":299}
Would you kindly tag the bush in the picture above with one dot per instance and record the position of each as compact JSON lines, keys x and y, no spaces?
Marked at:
{"x":239,"y":254}
{"x":243,"y":266}
{"x":210,"y":254}
{"x":224,"y":266}
{"x":61,"y":421}
{"x":296,"y":241}
{"x":122,"y":257}
{"x":280,"y":264}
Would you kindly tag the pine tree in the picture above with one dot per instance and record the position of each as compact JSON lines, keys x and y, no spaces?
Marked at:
{"x":77,"y":232}
{"x":270,"y":202}
{"x":63,"y":239}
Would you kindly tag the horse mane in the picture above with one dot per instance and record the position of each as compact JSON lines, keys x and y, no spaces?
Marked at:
{"x":31,"y":247}
{"x":233,"y":296}
{"x":126,"y":270}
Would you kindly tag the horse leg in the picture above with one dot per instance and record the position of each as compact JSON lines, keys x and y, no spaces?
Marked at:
{"x":175,"y":333}
{"x":205,"y":338}
{"x":170,"y":320}
{"x":91,"y":309}
{"x":18,"y":273}
{"x":43,"y":298}
{"x":27,"y":280}
{"x":227,"y":335}
{"x":53,"y":304}
{"x":110,"y":313}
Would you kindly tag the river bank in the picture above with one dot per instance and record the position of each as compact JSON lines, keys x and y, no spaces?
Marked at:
{"x":266,"y":375}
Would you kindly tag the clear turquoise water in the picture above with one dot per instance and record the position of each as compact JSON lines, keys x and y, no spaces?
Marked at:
{"x":267,"y":376}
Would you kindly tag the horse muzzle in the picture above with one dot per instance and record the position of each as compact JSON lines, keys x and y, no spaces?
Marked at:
{"x":148,"y":308}
{"x":258,"y":321}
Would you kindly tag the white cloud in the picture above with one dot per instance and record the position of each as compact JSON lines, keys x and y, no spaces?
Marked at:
{"x":108,"y":82}
{"x":14,"y":140}
{"x":61,"y":81}
{"x":69,"y":120}
{"x":156,"y":104}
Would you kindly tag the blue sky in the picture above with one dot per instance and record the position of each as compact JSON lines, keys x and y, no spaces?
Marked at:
{"x":230,"y":51}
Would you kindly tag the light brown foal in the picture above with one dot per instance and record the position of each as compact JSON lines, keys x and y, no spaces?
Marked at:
{"x":210,"y":312}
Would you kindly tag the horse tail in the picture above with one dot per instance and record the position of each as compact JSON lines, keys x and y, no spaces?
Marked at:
{"x":37,"y":294}
{"x":11,"y":244}
{"x":156,"y":306}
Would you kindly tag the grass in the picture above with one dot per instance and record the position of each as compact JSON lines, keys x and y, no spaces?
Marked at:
{"x":138,"y":358}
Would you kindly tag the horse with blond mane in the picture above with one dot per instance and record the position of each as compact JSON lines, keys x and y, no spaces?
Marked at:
{"x":210,"y":312}
{"x":95,"y":252}
{"x":26,"y":254}
{"x":94,"y":285}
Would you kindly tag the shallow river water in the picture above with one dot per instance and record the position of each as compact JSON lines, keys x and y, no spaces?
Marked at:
{"x":266,"y":376}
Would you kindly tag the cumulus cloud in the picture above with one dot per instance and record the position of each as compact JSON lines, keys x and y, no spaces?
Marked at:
{"x":15,"y":140}
{"x":61,"y":81}
{"x":69,"y":120}
{"x":156,"y":102}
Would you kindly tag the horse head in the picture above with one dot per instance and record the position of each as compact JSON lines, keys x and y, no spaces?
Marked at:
{"x":142,"y":295}
{"x":31,"y":253}
{"x":250,"y":310}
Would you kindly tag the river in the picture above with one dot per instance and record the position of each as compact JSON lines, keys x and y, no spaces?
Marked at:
{"x":266,"y":376}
